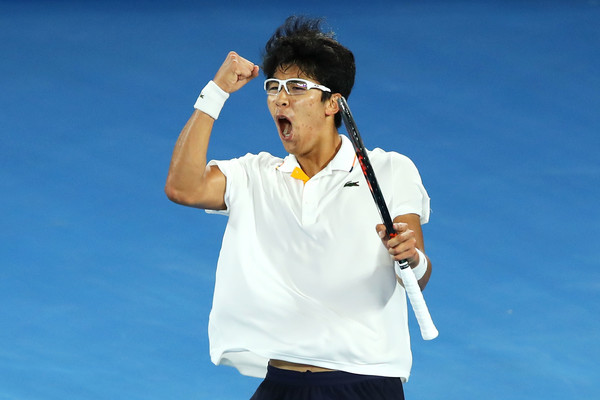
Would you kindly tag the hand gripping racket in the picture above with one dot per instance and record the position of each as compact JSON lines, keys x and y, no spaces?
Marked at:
{"x":428,"y":329}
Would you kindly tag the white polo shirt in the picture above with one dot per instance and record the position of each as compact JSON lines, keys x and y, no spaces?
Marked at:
{"x":302,"y":275}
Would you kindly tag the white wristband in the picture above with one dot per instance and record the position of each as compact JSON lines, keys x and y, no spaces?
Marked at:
{"x":211,"y":100}
{"x":420,"y":269}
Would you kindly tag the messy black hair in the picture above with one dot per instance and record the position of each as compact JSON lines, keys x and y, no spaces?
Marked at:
{"x":300,"y":41}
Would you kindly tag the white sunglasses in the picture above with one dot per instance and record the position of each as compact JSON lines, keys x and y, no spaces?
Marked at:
{"x":293,"y":86}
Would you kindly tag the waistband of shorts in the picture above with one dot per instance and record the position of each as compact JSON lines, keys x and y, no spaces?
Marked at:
{"x":316,"y":378}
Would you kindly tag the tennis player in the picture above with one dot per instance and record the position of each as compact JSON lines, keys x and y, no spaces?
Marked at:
{"x":306,"y":294}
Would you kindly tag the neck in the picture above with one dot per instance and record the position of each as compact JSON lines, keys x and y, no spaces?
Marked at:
{"x":313,"y":163}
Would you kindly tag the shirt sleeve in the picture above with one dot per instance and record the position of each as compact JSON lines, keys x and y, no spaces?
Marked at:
{"x":408,"y":193}
{"x":234,"y":173}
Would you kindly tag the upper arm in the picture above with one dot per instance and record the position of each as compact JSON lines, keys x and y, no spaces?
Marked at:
{"x":213,"y":193}
{"x":210,"y":195}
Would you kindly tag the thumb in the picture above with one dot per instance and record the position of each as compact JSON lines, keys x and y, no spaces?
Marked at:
{"x":381,"y":231}
{"x":235,"y":72}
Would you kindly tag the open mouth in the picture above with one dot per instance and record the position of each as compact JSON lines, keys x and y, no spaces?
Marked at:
{"x":285,"y":126}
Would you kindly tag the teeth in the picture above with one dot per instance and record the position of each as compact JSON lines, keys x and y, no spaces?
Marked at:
{"x":286,"y":130}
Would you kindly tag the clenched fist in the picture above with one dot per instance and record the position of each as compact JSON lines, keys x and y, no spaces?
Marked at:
{"x":235,"y":72}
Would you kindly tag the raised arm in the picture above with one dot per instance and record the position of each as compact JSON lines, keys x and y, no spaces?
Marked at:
{"x":190,"y":181}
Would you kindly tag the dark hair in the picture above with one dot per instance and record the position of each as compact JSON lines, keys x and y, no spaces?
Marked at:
{"x":300,"y":41}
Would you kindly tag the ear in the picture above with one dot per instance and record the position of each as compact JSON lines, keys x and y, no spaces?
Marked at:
{"x":332,"y":107}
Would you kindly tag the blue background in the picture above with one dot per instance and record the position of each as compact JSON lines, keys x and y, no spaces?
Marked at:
{"x":105,"y":286}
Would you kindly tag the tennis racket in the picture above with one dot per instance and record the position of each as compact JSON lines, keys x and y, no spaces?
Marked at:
{"x":413,"y":291}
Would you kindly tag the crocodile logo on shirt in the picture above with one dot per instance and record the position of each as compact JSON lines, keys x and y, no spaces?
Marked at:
{"x":350,"y":183}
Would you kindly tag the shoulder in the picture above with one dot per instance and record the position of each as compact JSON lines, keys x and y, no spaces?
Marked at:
{"x":261,"y":159}
{"x":252,"y":161}
{"x":391,"y":159}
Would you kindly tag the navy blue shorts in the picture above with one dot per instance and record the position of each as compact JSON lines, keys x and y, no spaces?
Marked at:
{"x":280,"y":384}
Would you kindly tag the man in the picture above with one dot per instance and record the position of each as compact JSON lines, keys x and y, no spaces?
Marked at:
{"x":306,"y":291}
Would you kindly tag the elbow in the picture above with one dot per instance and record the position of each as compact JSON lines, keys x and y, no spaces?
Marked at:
{"x":184,"y":197}
{"x":176,"y":195}
{"x":171,"y":193}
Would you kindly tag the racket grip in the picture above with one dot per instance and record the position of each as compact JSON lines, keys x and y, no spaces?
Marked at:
{"x":415,"y":296}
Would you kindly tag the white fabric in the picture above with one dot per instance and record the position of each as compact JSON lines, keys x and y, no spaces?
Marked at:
{"x":420,"y":269}
{"x":302,"y":275}
{"x":211,"y":100}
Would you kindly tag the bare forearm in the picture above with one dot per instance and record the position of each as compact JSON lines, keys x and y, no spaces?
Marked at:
{"x":190,"y":182}
{"x":187,"y":171}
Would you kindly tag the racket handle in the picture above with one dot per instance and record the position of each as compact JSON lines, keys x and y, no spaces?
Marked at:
{"x":415,"y":296}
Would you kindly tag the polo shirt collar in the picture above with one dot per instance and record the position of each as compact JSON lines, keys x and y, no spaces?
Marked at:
{"x":344,"y":160}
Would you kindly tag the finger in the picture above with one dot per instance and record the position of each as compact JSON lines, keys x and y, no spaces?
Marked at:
{"x":404,"y":251}
{"x":244,"y":67}
{"x":400,"y":227}
{"x":405,"y":255}
{"x":235,"y":72}
{"x":406,"y":239}
{"x":382,"y":232}
{"x":250,"y":67}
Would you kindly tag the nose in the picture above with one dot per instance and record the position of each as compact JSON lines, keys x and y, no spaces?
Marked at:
{"x":282,"y":99}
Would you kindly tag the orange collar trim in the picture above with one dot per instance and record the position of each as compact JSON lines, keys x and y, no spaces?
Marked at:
{"x":297,"y":173}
